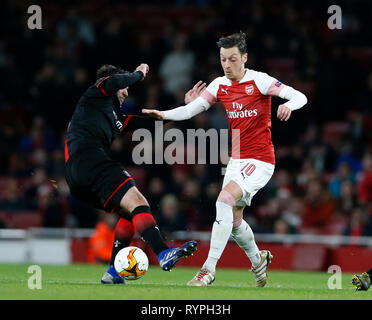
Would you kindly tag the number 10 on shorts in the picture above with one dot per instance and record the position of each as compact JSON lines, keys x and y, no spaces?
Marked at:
{"x":248,"y":169}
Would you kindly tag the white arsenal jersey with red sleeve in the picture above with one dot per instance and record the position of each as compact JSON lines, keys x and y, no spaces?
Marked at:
{"x":248,"y":108}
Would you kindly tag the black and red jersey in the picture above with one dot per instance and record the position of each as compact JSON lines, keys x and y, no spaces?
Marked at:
{"x":98,"y":118}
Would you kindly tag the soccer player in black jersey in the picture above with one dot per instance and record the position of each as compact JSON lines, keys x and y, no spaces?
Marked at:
{"x":95,"y":178}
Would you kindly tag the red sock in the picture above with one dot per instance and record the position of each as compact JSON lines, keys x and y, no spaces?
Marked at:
{"x":145,"y":224}
{"x":142,"y":218}
{"x":124,"y":232}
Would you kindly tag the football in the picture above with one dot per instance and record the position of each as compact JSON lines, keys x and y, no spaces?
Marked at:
{"x":131,"y":263}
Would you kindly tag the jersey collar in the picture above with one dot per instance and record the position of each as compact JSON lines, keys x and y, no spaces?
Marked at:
{"x":245,"y":78}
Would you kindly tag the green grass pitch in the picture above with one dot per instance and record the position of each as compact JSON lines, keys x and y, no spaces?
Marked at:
{"x":82,"y":282}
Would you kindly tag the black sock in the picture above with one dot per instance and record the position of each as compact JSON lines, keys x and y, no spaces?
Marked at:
{"x":118,"y":245}
{"x":145,"y":224}
{"x":154,"y":239}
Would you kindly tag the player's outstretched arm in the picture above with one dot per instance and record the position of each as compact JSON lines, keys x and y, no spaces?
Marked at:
{"x":154,"y":113}
{"x":191,"y":109}
{"x":112,"y":84}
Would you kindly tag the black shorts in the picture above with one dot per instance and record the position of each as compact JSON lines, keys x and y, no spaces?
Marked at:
{"x":95,"y":178}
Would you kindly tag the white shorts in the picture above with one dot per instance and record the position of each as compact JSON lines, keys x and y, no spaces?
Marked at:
{"x":250,"y":174}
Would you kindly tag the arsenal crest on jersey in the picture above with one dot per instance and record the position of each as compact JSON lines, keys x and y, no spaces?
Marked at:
{"x":249,"y":89}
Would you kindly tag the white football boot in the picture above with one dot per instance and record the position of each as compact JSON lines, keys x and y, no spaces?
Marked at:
{"x":202,"y":279}
{"x":260,"y":270}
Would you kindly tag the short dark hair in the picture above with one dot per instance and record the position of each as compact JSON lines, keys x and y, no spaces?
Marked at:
{"x":107,"y":70}
{"x":234,"y":40}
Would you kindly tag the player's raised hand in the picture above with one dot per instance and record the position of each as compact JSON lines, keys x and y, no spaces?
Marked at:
{"x":154,"y":113}
{"x":283,"y":112}
{"x":194,"y":92}
{"x":144,"y":68}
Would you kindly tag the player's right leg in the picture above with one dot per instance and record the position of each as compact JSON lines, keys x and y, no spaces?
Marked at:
{"x":220,"y":235}
{"x":134,"y":203}
{"x":136,"y":216}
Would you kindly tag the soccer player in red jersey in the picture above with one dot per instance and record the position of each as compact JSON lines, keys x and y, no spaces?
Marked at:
{"x":246,"y":96}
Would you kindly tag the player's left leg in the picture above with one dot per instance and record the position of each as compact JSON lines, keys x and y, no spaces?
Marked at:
{"x":244,"y":237}
{"x":124,"y":232}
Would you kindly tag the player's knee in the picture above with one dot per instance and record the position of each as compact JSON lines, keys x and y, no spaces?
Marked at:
{"x":133,"y":199}
{"x":224,"y":204}
{"x":234,"y":189}
{"x":226,"y":197}
{"x":237,"y":222}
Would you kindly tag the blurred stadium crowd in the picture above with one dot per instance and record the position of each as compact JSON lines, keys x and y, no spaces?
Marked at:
{"x":323,"y":178}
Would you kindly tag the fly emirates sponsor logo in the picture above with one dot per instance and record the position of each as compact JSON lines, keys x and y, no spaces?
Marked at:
{"x":237,"y":112}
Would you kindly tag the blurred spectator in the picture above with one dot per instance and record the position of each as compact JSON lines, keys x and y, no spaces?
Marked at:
{"x":318,"y":208}
{"x":81,"y":214}
{"x":179,"y":177}
{"x":39,"y":137}
{"x":100,"y":242}
{"x":347,"y":200}
{"x":177,"y":66}
{"x":358,"y":224}
{"x":170,"y":218}
{"x":190,"y":203}
{"x":343,"y":174}
{"x":306,"y":174}
{"x":56,"y":167}
{"x":39,"y":177}
{"x":79,"y":26}
{"x":292,"y":215}
{"x":347,"y":155}
{"x":12,"y":198}
{"x":364,"y":184}
{"x":155,"y":192}
{"x":281,"y":227}
{"x":157,"y":96}
{"x":292,"y":160}
{"x":266,"y":216}
{"x":10,"y":131}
